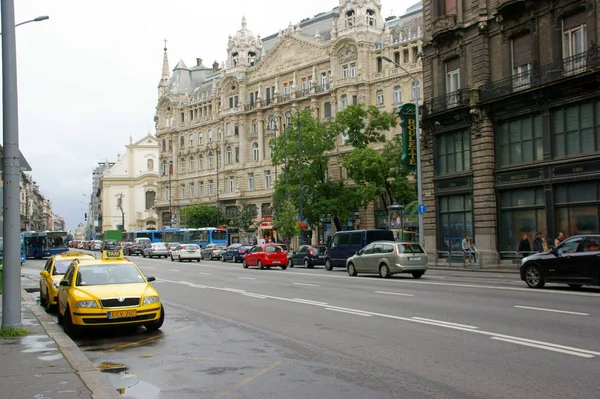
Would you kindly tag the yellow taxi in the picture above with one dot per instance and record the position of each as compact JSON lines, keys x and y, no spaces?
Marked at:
{"x":53,"y":272}
{"x":111,"y":291}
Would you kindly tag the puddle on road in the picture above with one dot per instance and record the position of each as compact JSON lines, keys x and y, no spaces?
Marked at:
{"x":128,"y":384}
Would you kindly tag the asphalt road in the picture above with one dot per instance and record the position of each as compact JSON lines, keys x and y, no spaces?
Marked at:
{"x":246,"y":333}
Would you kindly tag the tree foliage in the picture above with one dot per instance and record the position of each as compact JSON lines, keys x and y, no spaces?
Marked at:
{"x":201,"y":215}
{"x":247,"y":214}
{"x":285,"y":221}
{"x":363,"y":125}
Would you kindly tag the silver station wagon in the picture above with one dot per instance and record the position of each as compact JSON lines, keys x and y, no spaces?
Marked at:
{"x":388,"y":257}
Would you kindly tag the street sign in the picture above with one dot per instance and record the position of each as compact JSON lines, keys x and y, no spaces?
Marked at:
{"x":421,"y":208}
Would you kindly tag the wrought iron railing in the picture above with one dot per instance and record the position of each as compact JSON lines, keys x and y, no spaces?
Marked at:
{"x":322,"y":88}
{"x":540,"y":75}
{"x":454,"y":99}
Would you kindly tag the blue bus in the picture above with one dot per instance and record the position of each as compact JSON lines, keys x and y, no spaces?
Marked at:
{"x":174,"y":234}
{"x":23,"y":258}
{"x":44,"y":243}
{"x":153,"y":235}
{"x":207,"y":235}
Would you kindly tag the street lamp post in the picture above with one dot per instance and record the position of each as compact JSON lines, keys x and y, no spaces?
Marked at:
{"x":419,"y":179}
{"x":36,"y":19}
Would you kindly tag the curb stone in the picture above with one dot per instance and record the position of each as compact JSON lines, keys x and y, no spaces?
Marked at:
{"x":98,"y":384}
{"x":462,"y":269}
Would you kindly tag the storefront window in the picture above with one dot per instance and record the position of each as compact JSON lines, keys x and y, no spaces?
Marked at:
{"x":456,"y":221}
{"x":453,"y":152}
{"x":522,"y":211}
{"x":577,"y":208}
{"x":519,"y":141}
{"x":576,"y":130}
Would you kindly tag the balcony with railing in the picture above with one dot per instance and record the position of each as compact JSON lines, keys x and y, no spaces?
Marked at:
{"x":541,"y":75}
{"x":455,"y":99}
{"x":322,"y":88}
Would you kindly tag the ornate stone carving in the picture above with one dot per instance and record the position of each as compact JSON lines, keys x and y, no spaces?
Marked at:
{"x":443,"y":23}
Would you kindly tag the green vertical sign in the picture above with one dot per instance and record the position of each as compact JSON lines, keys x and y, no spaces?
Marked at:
{"x":408,"y":122}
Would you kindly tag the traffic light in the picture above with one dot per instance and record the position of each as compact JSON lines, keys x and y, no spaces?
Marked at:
{"x":85,"y":216}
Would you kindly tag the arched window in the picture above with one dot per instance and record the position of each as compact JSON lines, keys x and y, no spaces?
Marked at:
{"x":379,"y":97}
{"x":229,"y":155}
{"x":182,"y":166}
{"x":235,"y":58}
{"x":211,"y":160}
{"x":200,"y":137}
{"x":255,"y":151}
{"x":181,"y":142}
{"x":349,"y":18}
{"x":370,"y":17}
{"x":191,"y":164}
{"x":251,"y":58}
{"x":150,"y":198}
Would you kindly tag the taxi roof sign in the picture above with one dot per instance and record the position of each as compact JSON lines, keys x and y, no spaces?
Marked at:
{"x":72,"y":254}
{"x":113,"y":255}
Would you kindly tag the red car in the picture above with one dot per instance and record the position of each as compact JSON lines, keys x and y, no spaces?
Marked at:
{"x":266,"y":255}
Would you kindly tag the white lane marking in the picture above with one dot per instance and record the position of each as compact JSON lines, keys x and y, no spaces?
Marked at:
{"x":174,"y":270}
{"x":254,"y":296}
{"x":234,"y":290}
{"x":445,"y":322}
{"x":413,"y":320}
{"x":309,"y":301}
{"x":307,"y":285}
{"x":150,"y":267}
{"x":349,"y":312}
{"x":428,"y":276}
{"x":247,"y":278}
{"x":205,"y":274}
{"x":392,"y":293}
{"x":548,"y":348}
{"x":552,"y":310}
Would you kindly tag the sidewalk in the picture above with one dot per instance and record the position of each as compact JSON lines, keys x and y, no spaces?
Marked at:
{"x":46,"y":363}
{"x":513,"y":269}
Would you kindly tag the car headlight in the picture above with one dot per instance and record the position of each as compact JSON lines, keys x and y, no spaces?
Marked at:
{"x":151,"y":299}
{"x":56,"y":284}
{"x":86,"y":304}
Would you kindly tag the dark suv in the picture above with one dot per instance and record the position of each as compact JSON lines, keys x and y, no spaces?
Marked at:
{"x":308,"y":255}
{"x":111,"y":245}
{"x":576,"y":262}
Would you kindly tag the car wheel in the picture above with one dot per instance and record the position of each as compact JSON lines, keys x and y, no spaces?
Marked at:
{"x":384,"y":271}
{"x":47,"y":302}
{"x":155,"y":325}
{"x":417,"y":274}
{"x":144,"y":255}
{"x":198,"y":259}
{"x":533,"y":277}
{"x":71,"y":330}
{"x":351,"y":269}
{"x":260,"y":265}
{"x":223,"y":259}
{"x":59,"y":317}
{"x":42,"y":298}
{"x":328,"y":265}
{"x":172,"y":260}
{"x":307,"y":264}
{"x":283,"y":267}
{"x":576,"y":286}
{"x":244,"y":264}
{"x":290,"y":263}
{"x":179,"y":259}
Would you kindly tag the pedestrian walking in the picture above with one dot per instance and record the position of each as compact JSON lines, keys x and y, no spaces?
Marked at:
{"x":560,"y":238}
{"x":466,"y":247}
{"x":524,"y":246}
{"x":538,"y":245}
{"x":474,"y":252}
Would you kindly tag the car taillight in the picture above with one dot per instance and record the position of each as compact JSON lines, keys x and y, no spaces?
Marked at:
{"x":310,"y":251}
{"x":153,"y":249}
{"x":214,"y":249}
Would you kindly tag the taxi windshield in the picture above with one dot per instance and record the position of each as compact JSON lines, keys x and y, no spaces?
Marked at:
{"x":61,"y":266}
{"x":114,"y":273}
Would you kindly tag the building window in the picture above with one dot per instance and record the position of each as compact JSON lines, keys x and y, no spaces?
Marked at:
{"x":164,"y":145}
{"x":416,"y":91}
{"x":200,"y":137}
{"x":574,"y":35}
{"x":349,"y":18}
{"x":327,"y":110}
{"x":370,"y":17}
{"x":191,"y":164}
{"x":237,"y":154}
{"x":268,"y":182}
{"x":345,"y":71}
{"x":181,"y":142}
{"x":210,"y":136}
{"x":344,"y":102}
{"x":379,"y":97}
{"x":522,"y":211}
{"x":211,"y":161}
{"x":250,"y":181}
{"x":182,"y":191}
{"x":254,"y":127}
{"x":200,"y":162}
{"x":167,"y":194}
{"x":397,"y":95}
{"x":447,"y":7}
{"x":397,"y":57}
{"x":521,"y":62}
{"x":182,"y":166}
{"x":353,"y":70}
{"x":453,"y":152}
{"x":452,"y":82}
{"x":255,"y":152}
{"x":236,"y":130}
{"x":228,"y":155}
{"x":576,"y":130}
{"x":379,"y":64}
{"x":219,"y":160}
{"x":150,"y":198}
{"x":191,"y":138}
{"x":324,"y":80}
{"x":182,"y":116}
{"x":192,"y":190}
{"x":231,"y":184}
{"x":201,"y":189}
{"x":455,"y":221}
{"x":577,"y":208}
{"x":519,"y":141}
{"x":211,"y":187}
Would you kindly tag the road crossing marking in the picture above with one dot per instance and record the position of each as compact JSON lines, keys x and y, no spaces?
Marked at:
{"x":548,"y":348}
{"x":552,"y":310}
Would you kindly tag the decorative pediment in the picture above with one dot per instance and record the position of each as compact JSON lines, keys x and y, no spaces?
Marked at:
{"x":289,"y":52}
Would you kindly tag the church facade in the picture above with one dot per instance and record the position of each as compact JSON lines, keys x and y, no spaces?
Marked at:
{"x":213,"y":123}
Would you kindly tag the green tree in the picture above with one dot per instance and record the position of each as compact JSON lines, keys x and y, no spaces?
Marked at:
{"x":247,"y":214}
{"x":285,"y":220}
{"x":363,"y":124}
{"x":201,"y":215}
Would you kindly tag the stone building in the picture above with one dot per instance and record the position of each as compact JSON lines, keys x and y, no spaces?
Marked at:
{"x":213,"y":125}
{"x":511,"y":122}
{"x":93,"y":225}
{"x":35,"y":209}
{"x":127,"y":190}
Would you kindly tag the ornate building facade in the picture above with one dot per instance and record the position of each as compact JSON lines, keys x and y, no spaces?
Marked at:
{"x":127,"y":191}
{"x":213,"y":123}
{"x":512,"y":121}
{"x":35,"y":209}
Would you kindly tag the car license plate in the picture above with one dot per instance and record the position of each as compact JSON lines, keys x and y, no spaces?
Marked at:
{"x":276,"y":262}
{"x":415,"y":258}
{"x":122,"y":313}
{"x":191,"y":252}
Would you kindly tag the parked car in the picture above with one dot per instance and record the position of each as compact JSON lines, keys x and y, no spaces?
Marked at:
{"x":344,"y":244}
{"x":136,"y":249}
{"x":111,"y":245}
{"x":185,"y":252}
{"x":235,"y":252}
{"x":157,"y":249}
{"x":388,"y":257}
{"x":575,"y":262}
{"x":213,"y":251}
{"x":308,"y":255}
{"x":172,"y":245}
{"x":127,"y":248}
{"x":266,"y":255}
{"x":96,"y":245}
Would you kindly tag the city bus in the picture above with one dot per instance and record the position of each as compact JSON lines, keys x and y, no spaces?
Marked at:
{"x":153,"y":235}
{"x":23,"y":258}
{"x":206,"y":235}
{"x":174,"y":234}
{"x":44,"y":243}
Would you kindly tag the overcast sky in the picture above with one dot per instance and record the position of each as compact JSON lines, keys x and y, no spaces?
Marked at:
{"x":88,"y":76}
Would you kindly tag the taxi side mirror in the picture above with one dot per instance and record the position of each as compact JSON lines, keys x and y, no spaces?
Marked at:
{"x":64,"y":283}
{"x":44,"y":273}
{"x":150,"y":279}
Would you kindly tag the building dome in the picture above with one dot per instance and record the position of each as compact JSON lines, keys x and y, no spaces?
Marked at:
{"x":244,"y":48}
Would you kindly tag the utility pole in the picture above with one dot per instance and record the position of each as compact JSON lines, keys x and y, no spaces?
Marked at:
{"x":120,"y":207}
{"x":11,"y":172}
